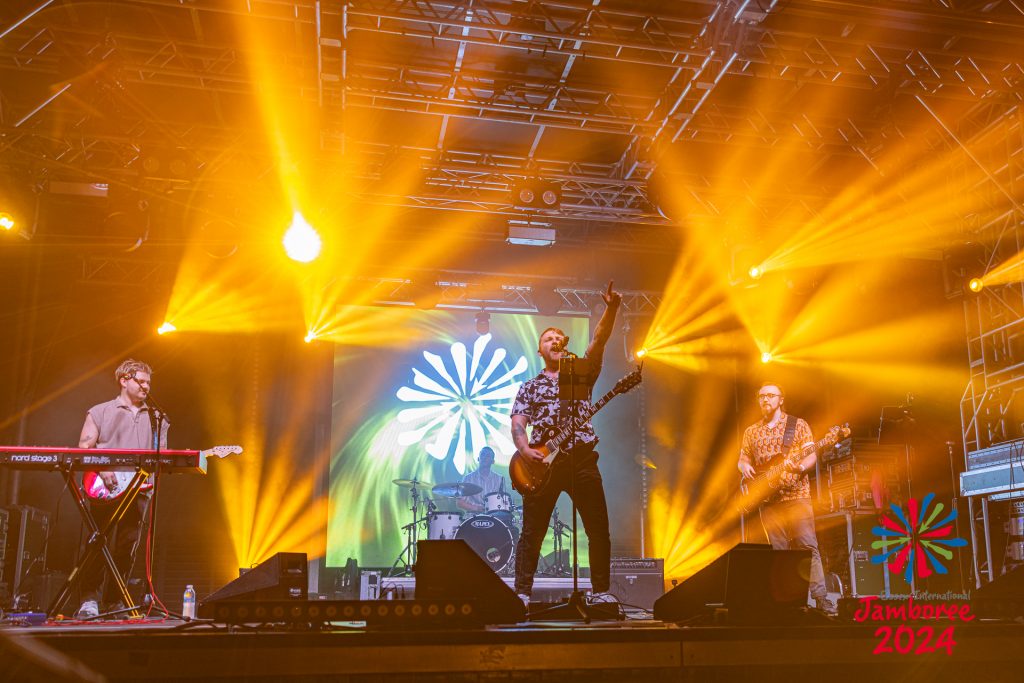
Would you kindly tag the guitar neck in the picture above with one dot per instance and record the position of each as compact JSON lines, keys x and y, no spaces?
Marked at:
{"x":559,"y":438}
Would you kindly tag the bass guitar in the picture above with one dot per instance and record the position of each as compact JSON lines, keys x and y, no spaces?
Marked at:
{"x":528,"y":475}
{"x":95,"y":489}
{"x":768,"y":475}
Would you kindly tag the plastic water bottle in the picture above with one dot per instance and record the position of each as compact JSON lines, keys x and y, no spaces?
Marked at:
{"x":188,"y":603}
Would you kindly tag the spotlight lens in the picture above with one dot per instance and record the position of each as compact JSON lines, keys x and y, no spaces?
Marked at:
{"x":755,"y":272}
{"x":526,"y":195}
{"x":166,"y":328}
{"x":301,"y":242}
{"x":766,"y":357}
{"x":548,"y":197}
{"x":976,"y":284}
{"x":6,"y":221}
{"x":641,"y":353}
{"x":310,"y":336}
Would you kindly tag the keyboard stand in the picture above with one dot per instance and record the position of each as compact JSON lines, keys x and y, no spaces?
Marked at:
{"x":96,"y":548}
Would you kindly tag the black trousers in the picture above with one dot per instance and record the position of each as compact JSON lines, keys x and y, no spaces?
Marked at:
{"x":122,"y":543}
{"x":593,"y":508}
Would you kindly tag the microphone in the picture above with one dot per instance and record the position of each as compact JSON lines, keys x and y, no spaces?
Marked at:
{"x":151,"y":402}
{"x":561,"y":344}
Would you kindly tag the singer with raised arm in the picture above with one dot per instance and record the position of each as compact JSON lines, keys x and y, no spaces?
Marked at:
{"x":127,"y":421}
{"x":537,"y":404}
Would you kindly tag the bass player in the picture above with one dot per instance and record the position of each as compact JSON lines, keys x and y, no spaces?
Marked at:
{"x":537,"y":405}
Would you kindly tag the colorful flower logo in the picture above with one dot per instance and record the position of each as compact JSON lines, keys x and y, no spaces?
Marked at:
{"x":461,"y":403}
{"x":911,"y":541}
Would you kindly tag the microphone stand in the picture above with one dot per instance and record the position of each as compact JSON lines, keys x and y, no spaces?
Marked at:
{"x":569,"y":377}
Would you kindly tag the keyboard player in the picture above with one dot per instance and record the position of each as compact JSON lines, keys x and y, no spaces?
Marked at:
{"x":126,"y":421}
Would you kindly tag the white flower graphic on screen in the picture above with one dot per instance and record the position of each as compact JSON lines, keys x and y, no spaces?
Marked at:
{"x":461,"y":403}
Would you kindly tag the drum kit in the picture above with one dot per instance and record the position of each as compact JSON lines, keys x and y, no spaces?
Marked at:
{"x":492,"y":534}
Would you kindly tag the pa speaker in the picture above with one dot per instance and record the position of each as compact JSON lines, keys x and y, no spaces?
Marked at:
{"x":1002,"y":598}
{"x":283,"y":577}
{"x":451,"y":570}
{"x":752,"y":582}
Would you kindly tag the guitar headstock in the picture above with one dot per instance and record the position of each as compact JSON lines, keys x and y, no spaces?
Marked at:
{"x":629,"y":382}
{"x":223,"y":451}
{"x":838,"y":432}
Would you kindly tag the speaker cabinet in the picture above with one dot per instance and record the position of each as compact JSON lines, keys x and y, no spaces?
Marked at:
{"x":1002,"y":598}
{"x":751,"y":581}
{"x":451,"y":570}
{"x":285,"y":576}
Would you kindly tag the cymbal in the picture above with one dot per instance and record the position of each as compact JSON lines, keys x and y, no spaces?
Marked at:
{"x":458,"y":489}
{"x":412,"y":484}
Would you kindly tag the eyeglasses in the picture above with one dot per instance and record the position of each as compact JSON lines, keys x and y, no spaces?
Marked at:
{"x":768,"y":397}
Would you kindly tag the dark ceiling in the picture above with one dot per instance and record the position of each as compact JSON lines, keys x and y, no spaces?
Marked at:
{"x":467,"y":98}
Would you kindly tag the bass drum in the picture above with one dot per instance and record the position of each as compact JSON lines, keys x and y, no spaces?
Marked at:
{"x":491,"y":539}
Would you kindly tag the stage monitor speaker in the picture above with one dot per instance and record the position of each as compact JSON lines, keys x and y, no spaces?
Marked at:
{"x":752,"y":582}
{"x":1002,"y":598}
{"x":451,"y":570}
{"x":285,"y":576}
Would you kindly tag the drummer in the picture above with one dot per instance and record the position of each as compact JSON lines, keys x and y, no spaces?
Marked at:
{"x":488,"y":481}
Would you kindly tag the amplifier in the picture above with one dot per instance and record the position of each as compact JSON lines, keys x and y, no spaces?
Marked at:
{"x":638,"y":582}
{"x":27,"y":533}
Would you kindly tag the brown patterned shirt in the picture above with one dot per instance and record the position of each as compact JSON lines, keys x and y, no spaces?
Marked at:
{"x":761,"y":442}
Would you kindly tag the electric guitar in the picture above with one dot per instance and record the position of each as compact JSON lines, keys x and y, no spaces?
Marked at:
{"x":530,"y":476}
{"x":768,"y":475}
{"x":96,"y":490}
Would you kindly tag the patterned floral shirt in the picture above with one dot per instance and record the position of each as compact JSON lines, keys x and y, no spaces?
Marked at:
{"x":538,"y":401}
{"x":761,"y":442}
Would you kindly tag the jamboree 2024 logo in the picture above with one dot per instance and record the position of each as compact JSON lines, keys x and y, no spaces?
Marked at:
{"x":916,"y":543}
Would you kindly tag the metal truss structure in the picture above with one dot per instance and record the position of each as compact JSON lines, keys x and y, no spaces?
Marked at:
{"x":992,"y":407}
{"x":593,"y":94}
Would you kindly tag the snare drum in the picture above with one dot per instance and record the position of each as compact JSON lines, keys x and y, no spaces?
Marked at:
{"x":490,"y":538}
{"x":442,"y":525}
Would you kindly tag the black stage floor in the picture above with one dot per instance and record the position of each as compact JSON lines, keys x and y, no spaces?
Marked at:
{"x":632,"y":650}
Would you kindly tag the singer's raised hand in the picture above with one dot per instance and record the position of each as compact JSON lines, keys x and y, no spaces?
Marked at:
{"x":611,"y":297}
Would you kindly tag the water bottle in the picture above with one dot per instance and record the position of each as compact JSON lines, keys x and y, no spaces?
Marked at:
{"x":188,"y":603}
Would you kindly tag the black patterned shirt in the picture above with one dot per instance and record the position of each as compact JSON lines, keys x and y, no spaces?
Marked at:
{"x":537,"y":399}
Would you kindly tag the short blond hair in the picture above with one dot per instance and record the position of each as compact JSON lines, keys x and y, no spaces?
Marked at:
{"x":129,"y":367}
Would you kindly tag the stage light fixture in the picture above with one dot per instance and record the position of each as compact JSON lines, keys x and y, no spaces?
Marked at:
{"x":301,"y":242}
{"x":530,"y":233}
{"x":536,"y":194}
{"x":483,"y":322}
{"x":166,"y":328}
{"x":641,"y":353}
{"x":310,"y":336}
{"x":766,"y":357}
{"x":547,"y":300}
{"x":7,"y":221}
{"x":976,"y":284}
{"x":755,"y":272}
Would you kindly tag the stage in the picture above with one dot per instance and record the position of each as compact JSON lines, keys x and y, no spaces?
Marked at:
{"x":632,"y":650}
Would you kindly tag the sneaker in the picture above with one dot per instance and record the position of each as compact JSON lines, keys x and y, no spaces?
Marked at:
{"x":89,"y":610}
{"x":603,"y":596}
{"x":826,"y":605}
{"x":526,"y":600}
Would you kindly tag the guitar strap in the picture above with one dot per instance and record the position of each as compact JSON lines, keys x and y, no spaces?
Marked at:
{"x":789,"y":434}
